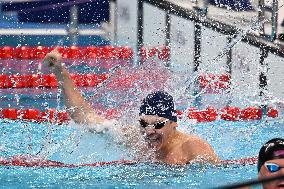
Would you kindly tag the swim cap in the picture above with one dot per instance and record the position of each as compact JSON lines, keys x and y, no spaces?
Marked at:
{"x":273,"y":149}
{"x":159,"y":103}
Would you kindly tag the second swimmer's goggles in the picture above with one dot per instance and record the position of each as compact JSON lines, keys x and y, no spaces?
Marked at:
{"x":157,"y":125}
{"x":272,"y":167}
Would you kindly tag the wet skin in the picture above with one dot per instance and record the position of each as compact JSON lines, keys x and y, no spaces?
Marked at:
{"x":157,"y":138}
{"x":172,"y":146}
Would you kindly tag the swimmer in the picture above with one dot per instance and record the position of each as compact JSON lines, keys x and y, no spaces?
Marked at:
{"x":157,"y":122}
{"x":271,"y":163}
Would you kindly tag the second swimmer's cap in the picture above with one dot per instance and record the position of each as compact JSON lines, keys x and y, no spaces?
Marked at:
{"x":159,"y":103}
{"x":273,"y":149}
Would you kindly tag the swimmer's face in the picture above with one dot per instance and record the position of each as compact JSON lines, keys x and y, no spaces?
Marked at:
{"x":156,"y":130}
{"x":265,"y":172}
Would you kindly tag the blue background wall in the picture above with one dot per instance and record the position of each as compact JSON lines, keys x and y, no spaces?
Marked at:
{"x":57,"y":11}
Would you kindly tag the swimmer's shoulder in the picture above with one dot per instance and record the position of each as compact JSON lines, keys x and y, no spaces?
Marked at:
{"x":195,"y":146}
{"x":194,"y":142}
{"x":193,"y":139}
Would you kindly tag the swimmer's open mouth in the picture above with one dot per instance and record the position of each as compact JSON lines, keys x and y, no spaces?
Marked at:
{"x":281,"y":185}
{"x":153,"y":138}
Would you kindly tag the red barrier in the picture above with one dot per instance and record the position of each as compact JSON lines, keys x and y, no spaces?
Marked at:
{"x":62,"y":117}
{"x":39,"y":80}
{"x":38,"y":52}
{"x":17,"y":81}
{"x":271,"y":112}
{"x":10,"y":113}
{"x":214,"y":82}
{"x":23,"y":52}
{"x":230,"y":113}
{"x":6,"y":52}
{"x":30,"y":114}
{"x":26,"y":160}
{"x":164,"y":53}
{"x":109,"y":52}
{"x":87,"y":52}
{"x":93,"y":52}
{"x":143,"y":54}
{"x":125,"y":53}
{"x":5,"y":81}
{"x":47,"y":116}
{"x":152,"y":52}
{"x":51,"y":80}
{"x":251,"y":113}
{"x":35,"y":115}
{"x":72,"y":52}
{"x":208,"y":115}
{"x":179,"y":114}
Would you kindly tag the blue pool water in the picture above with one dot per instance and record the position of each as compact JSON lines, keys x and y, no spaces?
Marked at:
{"x":68,"y":144}
{"x":230,"y":140}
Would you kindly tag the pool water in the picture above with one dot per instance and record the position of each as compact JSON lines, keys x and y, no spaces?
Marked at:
{"x":131,"y":176}
{"x":71,"y":145}
{"x":230,"y":140}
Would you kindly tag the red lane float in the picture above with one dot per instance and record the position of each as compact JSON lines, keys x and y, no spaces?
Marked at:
{"x":242,"y":161}
{"x":84,"y":52}
{"x":72,"y":52}
{"x":35,"y":115}
{"x":251,"y":113}
{"x":48,"y":80}
{"x":6,"y":52}
{"x":213,"y":83}
{"x":210,"y":114}
{"x":35,"y":161}
{"x":229,"y":113}
{"x":271,"y":112}
{"x":162,"y":52}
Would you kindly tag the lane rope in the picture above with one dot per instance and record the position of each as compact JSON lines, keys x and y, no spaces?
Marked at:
{"x":30,"y":161}
{"x":210,"y":114}
{"x":83,"y":52}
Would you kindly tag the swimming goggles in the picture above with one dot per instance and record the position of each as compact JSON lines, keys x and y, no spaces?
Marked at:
{"x":157,"y":125}
{"x":272,"y":167}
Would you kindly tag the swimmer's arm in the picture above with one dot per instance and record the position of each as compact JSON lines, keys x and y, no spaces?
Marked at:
{"x":200,"y":151}
{"x":78,"y":108}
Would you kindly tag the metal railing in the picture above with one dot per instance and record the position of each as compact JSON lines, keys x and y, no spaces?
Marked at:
{"x":274,"y":16}
{"x":264,"y":44}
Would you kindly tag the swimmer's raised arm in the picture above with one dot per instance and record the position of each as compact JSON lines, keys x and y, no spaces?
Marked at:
{"x":78,"y":108}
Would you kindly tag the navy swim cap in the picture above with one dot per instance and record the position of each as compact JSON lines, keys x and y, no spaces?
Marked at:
{"x":273,"y":149}
{"x":159,"y":103}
